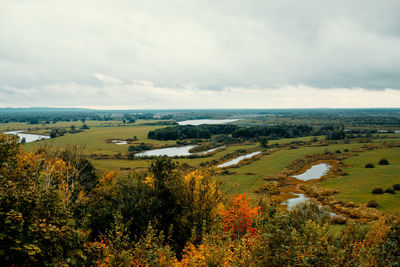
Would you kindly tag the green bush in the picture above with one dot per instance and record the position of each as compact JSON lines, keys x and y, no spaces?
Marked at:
{"x":383,"y":162}
{"x":369,"y":165}
{"x":396,"y":187}
{"x":377,"y":191}
{"x":338,"y":220}
{"x":372,"y":204}
{"x":390,"y":191}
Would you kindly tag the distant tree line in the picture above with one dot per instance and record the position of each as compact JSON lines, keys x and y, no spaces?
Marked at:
{"x":48,"y":117}
{"x":255,"y":132}
{"x":206,"y":131}
{"x":190,"y":131}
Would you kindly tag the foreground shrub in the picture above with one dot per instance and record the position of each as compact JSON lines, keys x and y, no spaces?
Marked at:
{"x":37,"y":226}
{"x":372,"y":204}
{"x":306,"y":211}
{"x":179,"y":204}
{"x":390,"y":191}
{"x":241,"y":218}
{"x":377,"y":191}
{"x":383,"y":162}
{"x":338,"y":220}
{"x":396,"y":187}
{"x":369,"y":165}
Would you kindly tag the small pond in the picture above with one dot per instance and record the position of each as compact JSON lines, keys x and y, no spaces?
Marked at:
{"x":28,"y":137}
{"x":200,"y":122}
{"x":292,"y":202}
{"x":119,"y":142}
{"x":301,"y":198}
{"x":315,"y":172}
{"x":168,"y":151}
{"x":238,"y":159}
{"x":174,"y":151}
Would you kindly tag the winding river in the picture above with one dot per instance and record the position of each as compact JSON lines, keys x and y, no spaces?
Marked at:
{"x":238,"y":159}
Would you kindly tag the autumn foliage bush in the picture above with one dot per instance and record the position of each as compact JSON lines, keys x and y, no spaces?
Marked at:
{"x":240,"y":217}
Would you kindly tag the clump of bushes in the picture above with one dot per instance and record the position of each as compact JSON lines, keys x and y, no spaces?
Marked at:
{"x":372,"y":204}
{"x":377,"y":191}
{"x":338,"y":220}
{"x":346,"y":150}
{"x":390,"y":191}
{"x":369,"y":165}
{"x":383,"y":162}
{"x":396,"y":187}
{"x":338,"y":151}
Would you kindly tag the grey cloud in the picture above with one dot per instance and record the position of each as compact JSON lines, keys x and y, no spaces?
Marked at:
{"x":209,"y":45}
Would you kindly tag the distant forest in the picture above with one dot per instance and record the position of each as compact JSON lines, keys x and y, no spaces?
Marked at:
{"x":272,"y":132}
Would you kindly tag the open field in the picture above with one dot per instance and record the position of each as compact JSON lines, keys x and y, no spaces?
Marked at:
{"x":360,"y":181}
{"x":94,"y":139}
{"x":109,"y":164}
{"x":357,"y":186}
{"x":42,"y":128}
{"x":60,"y":124}
{"x":241,"y":182}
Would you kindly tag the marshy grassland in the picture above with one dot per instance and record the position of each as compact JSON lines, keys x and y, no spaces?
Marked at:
{"x":249,"y":175}
{"x":357,"y":186}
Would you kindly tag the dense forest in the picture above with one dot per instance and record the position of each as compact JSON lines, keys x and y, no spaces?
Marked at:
{"x":55,"y":210}
{"x":271,"y":132}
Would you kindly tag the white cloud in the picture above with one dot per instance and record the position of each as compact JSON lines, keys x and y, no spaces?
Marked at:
{"x":147,"y":95}
{"x":106,"y":79}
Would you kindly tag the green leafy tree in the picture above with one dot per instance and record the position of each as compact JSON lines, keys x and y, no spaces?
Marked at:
{"x":263,"y":141}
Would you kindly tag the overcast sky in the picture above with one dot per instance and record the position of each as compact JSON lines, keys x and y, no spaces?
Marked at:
{"x":200,"y":54}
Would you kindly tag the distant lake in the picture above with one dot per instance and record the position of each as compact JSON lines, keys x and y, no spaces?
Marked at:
{"x":238,"y":159}
{"x":174,"y":151}
{"x":200,"y":122}
{"x":28,"y":137}
{"x":315,"y":172}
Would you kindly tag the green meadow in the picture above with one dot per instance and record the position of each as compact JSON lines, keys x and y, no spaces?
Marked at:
{"x":111,"y":164}
{"x":356,"y":186}
{"x":360,"y":181}
{"x":94,"y":140}
{"x":241,"y":182}
{"x":45,"y":128}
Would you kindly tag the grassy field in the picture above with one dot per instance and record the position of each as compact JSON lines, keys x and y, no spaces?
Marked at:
{"x":357,"y":186}
{"x":66,"y":124}
{"x":360,"y":181}
{"x":116,"y":164}
{"x":112,"y":164}
{"x":271,"y":164}
{"x":60,"y":124}
{"x":94,"y":139}
{"x":136,"y":163}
